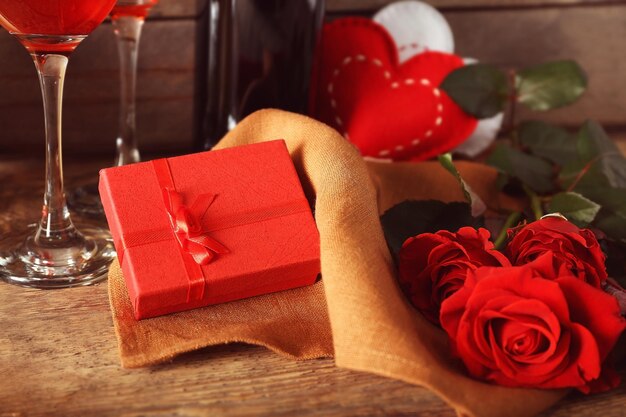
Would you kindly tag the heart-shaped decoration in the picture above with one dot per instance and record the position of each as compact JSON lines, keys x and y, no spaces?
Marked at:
{"x":416,"y":27}
{"x":387,"y":109}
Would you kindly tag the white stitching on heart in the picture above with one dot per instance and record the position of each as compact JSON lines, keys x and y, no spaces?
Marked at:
{"x":409,"y":81}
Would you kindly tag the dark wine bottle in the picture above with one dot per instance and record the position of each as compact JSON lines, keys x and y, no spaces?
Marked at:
{"x":253,"y":54}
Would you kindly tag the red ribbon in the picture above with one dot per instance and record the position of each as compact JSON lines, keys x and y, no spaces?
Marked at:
{"x":186,"y":223}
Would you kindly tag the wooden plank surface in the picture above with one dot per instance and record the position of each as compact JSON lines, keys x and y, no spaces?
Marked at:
{"x":58,"y":356}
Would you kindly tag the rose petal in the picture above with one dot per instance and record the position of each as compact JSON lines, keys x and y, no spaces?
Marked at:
{"x":595,"y":310}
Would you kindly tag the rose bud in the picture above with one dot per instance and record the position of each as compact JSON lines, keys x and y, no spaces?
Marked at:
{"x":433,"y":266}
{"x":513,"y":327}
{"x":575,"y":249}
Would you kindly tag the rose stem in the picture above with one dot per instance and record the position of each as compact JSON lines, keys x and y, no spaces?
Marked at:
{"x":511,"y":221}
{"x":513,"y":97}
{"x":535,"y":203}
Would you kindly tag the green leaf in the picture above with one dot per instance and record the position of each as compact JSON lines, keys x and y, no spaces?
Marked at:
{"x":548,"y":141}
{"x":551,"y":85}
{"x":613,"y":199}
{"x":480,"y":90}
{"x":411,"y":218}
{"x":530,"y":170}
{"x":611,"y":223}
{"x":478,"y":206}
{"x":578,"y":209}
{"x":599,"y":160}
{"x":595,"y":145}
{"x":612,"y":217}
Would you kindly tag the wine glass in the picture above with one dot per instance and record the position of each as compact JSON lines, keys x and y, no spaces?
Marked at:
{"x":55,"y":254}
{"x":128,"y":17}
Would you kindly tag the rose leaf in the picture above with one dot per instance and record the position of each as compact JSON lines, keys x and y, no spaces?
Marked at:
{"x":411,"y":218}
{"x":530,"y":170}
{"x":578,"y":209}
{"x":480,"y":90}
{"x":551,"y":85}
{"x":612,"y":223}
{"x":548,"y":141}
{"x":478,"y":206}
{"x":596,"y":147}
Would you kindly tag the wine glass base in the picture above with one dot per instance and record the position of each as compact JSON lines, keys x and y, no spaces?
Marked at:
{"x":88,"y":264}
{"x":85,"y":201}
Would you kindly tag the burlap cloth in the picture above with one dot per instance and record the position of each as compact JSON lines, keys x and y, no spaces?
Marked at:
{"x":357,"y":313}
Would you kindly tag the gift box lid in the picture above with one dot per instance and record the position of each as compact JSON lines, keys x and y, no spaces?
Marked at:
{"x":249,"y":213}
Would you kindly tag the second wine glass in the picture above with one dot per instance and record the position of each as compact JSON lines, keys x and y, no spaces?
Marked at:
{"x":128,"y":17}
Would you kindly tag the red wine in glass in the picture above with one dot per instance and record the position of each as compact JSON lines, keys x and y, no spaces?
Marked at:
{"x":137,"y":8}
{"x":52,"y":26}
{"x":55,"y":254}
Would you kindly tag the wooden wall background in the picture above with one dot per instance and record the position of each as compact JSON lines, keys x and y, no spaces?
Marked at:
{"x":503,"y":32}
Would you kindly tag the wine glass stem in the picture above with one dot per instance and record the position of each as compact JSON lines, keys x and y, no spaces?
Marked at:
{"x":55,"y":226}
{"x":128,"y":33}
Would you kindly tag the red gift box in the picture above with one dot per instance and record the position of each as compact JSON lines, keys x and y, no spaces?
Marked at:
{"x":211,"y":227}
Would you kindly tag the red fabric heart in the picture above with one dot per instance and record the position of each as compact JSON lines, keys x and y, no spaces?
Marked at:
{"x":386,"y":109}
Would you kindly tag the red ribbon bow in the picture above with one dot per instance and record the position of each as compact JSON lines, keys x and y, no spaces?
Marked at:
{"x":186,"y":223}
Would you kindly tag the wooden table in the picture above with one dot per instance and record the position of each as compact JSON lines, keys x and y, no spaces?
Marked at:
{"x":58,"y":356}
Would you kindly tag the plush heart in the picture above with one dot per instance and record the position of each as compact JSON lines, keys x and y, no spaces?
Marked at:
{"x":416,"y":27}
{"x":386,"y":109}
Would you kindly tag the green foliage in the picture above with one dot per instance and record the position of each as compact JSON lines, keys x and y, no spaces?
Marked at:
{"x":551,"y":85}
{"x":530,"y":170}
{"x":483,"y":90}
{"x":578,"y":209}
{"x":550,"y":142}
{"x":597,"y":149}
{"x":480,"y":90}
{"x":478,"y":206}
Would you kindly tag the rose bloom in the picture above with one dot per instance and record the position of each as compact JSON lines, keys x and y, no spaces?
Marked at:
{"x":433,"y":266}
{"x":575,"y":249}
{"x":513,"y":327}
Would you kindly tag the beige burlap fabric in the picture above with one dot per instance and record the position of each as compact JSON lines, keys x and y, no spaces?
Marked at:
{"x":372,"y":327}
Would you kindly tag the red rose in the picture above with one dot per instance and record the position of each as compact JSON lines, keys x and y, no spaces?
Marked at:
{"x":512,"y":327}
{"x":575,"y":249}
{"x":433,"y":266}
